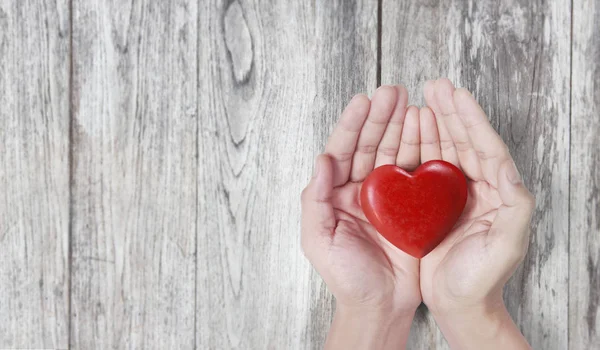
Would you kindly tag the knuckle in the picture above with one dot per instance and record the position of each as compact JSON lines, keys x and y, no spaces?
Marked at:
{"x":430,"y":143}
{"x":410,"y":142}
{"x":446,"y":145}
{"x":342,"y":156}
{"x":462,"y":145}
{"x":387,"y":151}
{"x":366,"y":149}
{"x":348,"y":126}
{"x":378,"y":121}
{"x":470,"y":124}
{"x":488,"y":156}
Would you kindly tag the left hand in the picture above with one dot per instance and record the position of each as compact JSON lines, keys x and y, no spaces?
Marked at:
{"x":462,"y":278}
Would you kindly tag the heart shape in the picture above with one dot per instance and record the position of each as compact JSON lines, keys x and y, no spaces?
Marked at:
{"x":414,"y":211}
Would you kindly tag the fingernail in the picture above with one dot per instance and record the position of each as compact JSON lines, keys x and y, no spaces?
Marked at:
{"x":513,"y":174}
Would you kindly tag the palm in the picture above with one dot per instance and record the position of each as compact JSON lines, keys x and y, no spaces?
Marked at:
{"x":448,"y":262}
{"x":370,"y":269}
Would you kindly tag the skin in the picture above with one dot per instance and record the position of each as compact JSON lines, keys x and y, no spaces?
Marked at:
{"x":368,"y":276}
{"x":377,"y":286}
{"x":462,"y":279}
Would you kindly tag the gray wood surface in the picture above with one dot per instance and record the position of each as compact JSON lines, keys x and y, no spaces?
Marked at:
{"x":134,"y":171}
{"x":270,"y":93}
{"x":152,"y":155}
{"x":584,"y":252}
{"x":34,"y":174}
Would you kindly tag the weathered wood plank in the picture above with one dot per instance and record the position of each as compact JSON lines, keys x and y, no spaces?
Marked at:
{"x":411,"y":51}
{"x":134,"y":174}
{"x":272,"y":84}
{"x":584,"y":278}
{"x":34,"y":174}
{"x":514,"y":56}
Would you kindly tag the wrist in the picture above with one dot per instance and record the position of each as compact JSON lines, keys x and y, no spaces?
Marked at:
{"x":483,"y":325}
{"x":360,"y":328}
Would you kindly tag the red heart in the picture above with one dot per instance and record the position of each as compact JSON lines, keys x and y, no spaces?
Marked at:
{"x":414,"y":211}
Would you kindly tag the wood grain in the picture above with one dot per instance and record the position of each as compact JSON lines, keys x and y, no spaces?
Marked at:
{"x":273,"y":80}
{"x":411,"y":45}
{"x":134,"y":174}
{"x":34,"y":174}
{"x":515,"y":57}
{"x":194,"y":128}
{"x":584,"y":252}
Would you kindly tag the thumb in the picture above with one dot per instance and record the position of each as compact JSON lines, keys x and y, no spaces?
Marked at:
{"x":514,"y":216}
{"x":318,"y":220}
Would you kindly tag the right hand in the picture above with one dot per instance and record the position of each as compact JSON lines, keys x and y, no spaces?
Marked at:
{"x":361,"y":269}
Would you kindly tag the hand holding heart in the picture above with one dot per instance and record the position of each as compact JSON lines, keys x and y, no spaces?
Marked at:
{"x":465,"y":273}
{"x":359,"y":266}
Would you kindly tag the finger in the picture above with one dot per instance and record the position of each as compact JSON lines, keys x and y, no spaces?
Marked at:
{"x":430,"y":139}
{"x":348,"y":197}
{"x":408,"y":155}
{"x":390,"y":142}
{"x":343,"y":139}
{"x":467,"y":157}
{"x":511,"y":225}
{"x":318,"y":220}
{"x":446,"y":144}
{"x":489,"y":147}
{"x":382,"y":105}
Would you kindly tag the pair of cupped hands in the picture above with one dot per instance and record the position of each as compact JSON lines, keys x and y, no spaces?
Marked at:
{"x":377,"y":286}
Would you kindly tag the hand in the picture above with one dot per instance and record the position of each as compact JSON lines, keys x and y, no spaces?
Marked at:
{"x":370,"y":278}
{"x":462,"y":278}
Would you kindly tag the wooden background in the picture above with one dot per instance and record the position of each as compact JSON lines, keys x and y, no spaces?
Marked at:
{"x":152,"y":154}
